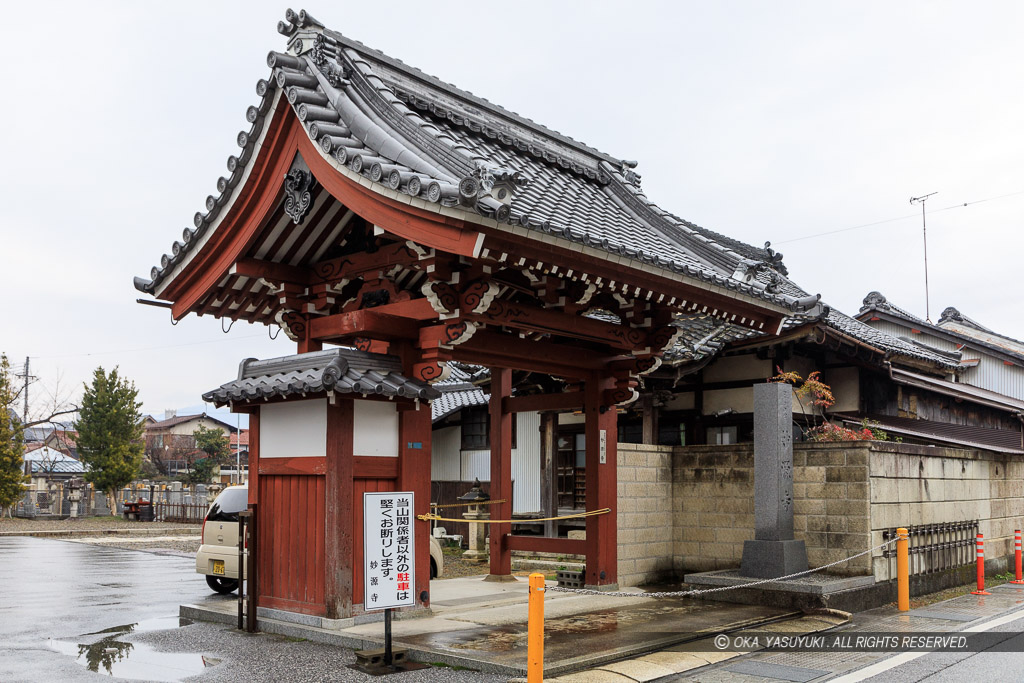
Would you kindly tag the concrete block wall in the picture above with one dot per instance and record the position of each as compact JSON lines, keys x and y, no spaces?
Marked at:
{"x":714,"y":498}
{"x":700,"y":500}
{"x":645,"y":514}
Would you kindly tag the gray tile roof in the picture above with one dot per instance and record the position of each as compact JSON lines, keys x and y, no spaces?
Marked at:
{"x":455,"y":397}
{"x":876,"y":302}
{"x":702,"y":335}
{"x":414,"y":134}
{"x":342,"y":370}
{"x":46,"y":459}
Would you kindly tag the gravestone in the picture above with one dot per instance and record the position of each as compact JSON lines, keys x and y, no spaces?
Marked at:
{"x":773,"y":552}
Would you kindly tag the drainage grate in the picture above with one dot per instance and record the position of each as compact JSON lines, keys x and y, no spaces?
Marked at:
{"x":779,"y":672}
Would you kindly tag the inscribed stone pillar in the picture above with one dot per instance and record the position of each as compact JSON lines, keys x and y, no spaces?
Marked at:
{"x":773,"y":552}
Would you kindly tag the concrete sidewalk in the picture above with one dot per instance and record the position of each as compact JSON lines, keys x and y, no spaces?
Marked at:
{"x":483,"y":626}
{"x":948,"y":616}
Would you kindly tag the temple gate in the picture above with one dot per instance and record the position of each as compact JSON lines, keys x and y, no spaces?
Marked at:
{"x":390,"y":224}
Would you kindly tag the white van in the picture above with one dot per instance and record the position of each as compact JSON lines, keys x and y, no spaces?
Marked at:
{"x":218,"y":554}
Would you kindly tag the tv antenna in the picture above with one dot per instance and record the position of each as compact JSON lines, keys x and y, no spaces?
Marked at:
{"x":924,"y":231}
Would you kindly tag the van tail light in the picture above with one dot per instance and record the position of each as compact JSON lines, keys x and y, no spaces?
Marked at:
{"x":202,"y":533}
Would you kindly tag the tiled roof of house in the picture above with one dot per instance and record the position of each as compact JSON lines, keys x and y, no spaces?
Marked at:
{"x":341,"y":370}
{"x":47,"y":459}
{"x":952,"y":324}
{"x":701,"y":336}
{"x":182,"y":419}
{"x":407,"y":134}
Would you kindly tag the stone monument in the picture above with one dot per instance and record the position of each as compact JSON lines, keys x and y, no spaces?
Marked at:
{"x":773,"y":552}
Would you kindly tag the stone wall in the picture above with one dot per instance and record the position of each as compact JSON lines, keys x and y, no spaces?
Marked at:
{"x":914,"y":485}
{"x":645,"y":514}
{"x":845,"y":496}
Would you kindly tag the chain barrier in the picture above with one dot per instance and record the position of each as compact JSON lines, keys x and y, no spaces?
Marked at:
{"x":698,"y":592}
{"x":430,"y":517}
{"x":459,"y":505}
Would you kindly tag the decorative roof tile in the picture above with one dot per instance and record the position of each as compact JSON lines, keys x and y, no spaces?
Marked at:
{"x":340,"y":370}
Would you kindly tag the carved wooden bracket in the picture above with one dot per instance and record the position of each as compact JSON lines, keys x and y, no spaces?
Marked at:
{"x":443,"y":297}
{"x":293,"y":323}
{"x":477,"y":296}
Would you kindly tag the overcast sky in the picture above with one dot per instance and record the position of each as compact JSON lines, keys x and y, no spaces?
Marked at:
{"x":764,"y":121}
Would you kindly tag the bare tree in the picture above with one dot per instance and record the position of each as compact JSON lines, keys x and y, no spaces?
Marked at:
{"x":56,"y":402}
{"x":167,"y":451}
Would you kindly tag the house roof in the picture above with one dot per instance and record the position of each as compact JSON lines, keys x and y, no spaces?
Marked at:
{"x":341,"y":370}
{"x":702,"y":335}
{"x":407,"y":135}
{"x":953,"y":326}
{"x":455,"y":397}
{"x":46,"y":459}
{"x":999,"y":440}
{"x":959,"y":390}
{"x":182,"y":419}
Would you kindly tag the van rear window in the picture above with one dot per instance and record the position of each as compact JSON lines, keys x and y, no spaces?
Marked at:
{"x":228,"y":504}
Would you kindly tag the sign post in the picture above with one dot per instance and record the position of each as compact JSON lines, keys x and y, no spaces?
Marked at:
{"x":389,"y":557}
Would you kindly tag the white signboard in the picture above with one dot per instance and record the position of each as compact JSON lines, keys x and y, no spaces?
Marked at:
{"x":389,"y":556}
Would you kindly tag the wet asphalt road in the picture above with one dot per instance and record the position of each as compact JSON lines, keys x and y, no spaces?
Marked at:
{"x":56,"y":596}
{"x":56,"y":590}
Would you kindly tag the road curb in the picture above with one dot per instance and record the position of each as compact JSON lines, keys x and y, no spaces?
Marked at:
{"x":68,"y":533}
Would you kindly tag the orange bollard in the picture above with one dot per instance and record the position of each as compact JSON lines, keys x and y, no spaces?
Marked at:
{"x":1016,"y":556}
{"x":535,"y":631}
{"x":902,"y":569}
{"x":981,"y":567}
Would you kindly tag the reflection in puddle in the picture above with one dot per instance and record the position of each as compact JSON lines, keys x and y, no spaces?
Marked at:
{"x":134,"y":660}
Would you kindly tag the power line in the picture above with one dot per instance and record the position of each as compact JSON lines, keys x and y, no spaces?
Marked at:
{"x":150,"y":348}
{"x":897,"y":218}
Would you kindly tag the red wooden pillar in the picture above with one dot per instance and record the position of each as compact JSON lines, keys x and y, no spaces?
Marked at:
{"x":340,"y":555}
{"x":601,"y":438}
{"x":501,"y":475}
{"x":254,"y":456}
{"x":414,"y":432}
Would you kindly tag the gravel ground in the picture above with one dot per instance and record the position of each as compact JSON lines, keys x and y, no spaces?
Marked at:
{"x":266,"y":657}
{"x":18,"y":524}
{"x":455,"y":566}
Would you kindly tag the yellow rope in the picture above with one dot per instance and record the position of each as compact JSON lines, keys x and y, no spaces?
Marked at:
{"x":456,"y":505}
{"x":435,"y":518}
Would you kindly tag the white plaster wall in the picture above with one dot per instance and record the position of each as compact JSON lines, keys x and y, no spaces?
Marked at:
{"x":845,"y":383}
{"x":732,"y":368}
{"x":740,"y":400}
{"x":375,"y":430}
{"x":296,"y":429}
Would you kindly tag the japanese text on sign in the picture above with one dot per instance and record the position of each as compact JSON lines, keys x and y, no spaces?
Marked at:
{"x":389,"y":578}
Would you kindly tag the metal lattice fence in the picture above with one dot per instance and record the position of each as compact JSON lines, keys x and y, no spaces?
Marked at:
{"x":180,"y":512}
{"x":937,"y":547}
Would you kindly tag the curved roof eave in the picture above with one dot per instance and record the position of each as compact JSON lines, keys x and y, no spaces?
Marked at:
{"x":323,"y":98}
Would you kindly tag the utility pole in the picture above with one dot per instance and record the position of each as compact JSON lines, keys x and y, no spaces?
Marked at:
{"x":28,"y":378}
{"x":924,"y":230}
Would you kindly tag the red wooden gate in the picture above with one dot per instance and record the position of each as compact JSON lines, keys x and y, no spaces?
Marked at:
{"x":291,"y":542}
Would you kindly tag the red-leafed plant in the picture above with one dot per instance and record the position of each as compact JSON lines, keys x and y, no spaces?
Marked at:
{"x":818,"y":396}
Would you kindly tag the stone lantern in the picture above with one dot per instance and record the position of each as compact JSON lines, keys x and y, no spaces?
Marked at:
{"x":475,"y":513}
{"x":74,"y":495}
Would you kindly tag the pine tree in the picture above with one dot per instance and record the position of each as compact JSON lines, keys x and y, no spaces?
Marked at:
{"x":12,"y":475}
{"x":109,"y":428}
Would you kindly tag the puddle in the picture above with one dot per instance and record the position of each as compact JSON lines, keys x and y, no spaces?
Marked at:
{"x":137,"y":661}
